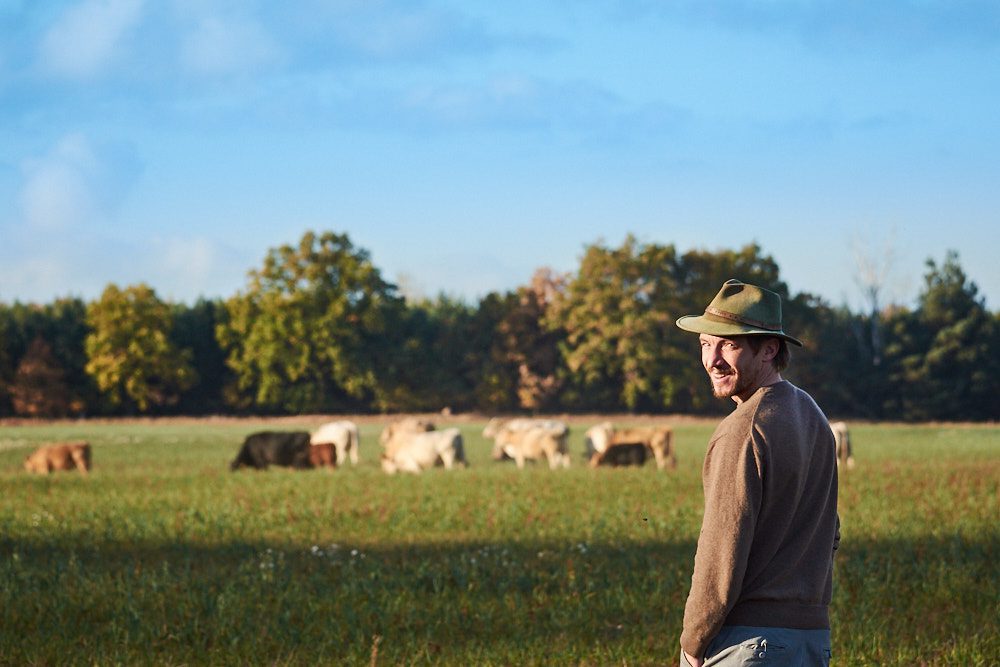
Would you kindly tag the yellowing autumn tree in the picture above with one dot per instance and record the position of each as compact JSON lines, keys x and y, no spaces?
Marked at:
{"x":129,"y":352}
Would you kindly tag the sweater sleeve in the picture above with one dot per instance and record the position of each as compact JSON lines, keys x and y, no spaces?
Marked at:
{"x":733,"y":489}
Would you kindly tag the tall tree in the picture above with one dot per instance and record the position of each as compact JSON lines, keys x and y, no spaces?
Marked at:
{"x":613,"y":315}
{"x":39,"y":388}
{"x":944,"y":365}
{"x":130,"y":354}
{"x":194,"y":329}
{"x":307,"y":334}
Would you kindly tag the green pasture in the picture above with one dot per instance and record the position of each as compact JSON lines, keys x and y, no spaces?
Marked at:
{"x":163,"y":557}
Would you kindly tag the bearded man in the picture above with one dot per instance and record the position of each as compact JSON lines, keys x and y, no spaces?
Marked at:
{"x":763,"y":571}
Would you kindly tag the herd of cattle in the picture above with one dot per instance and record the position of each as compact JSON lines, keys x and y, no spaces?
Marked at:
{"x":414,"y":445}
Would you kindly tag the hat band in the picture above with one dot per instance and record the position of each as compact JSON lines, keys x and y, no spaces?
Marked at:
{"x":742,"y":320}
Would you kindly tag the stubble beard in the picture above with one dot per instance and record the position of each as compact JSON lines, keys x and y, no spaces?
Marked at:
{"x":742,"y":385}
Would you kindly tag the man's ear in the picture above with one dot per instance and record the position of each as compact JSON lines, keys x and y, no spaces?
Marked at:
{"x":769,"y":349}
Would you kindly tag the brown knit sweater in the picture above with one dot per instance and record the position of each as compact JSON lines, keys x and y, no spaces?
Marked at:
{"x":765,"y":553}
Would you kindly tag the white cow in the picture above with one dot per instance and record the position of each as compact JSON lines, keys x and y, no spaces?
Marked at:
{"x":397,"y":432}
{"x":597,"y":438}
{"x":344,"y":437}
{"x":842,"y":438}
{"x":415,"y":451}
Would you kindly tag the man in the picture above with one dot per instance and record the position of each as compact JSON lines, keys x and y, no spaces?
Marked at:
{"x":763,"y":570}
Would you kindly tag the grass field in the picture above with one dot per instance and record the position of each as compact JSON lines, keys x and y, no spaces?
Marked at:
{"x":164,"y":557}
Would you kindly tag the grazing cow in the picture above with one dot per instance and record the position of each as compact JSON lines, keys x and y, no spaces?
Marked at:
{"x":597,"y":438}
{"x":323,"y":455}
{"x":531,"y":444}
{"x":59,"y":456}
{"x":659,"y":440}
{"x":397,"y":432}
{"x":415,"y":451}
{"x":842,"y":438}
{"x":621,"y":454}
{"x":495,"y":425}
{"x":344,"y":437}
{"x":280,"y":448}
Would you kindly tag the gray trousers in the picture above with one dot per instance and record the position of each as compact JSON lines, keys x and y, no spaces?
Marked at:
{"x":738,"y":645}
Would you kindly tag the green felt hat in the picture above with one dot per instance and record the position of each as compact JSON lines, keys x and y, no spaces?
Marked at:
{"x":740,"y":310}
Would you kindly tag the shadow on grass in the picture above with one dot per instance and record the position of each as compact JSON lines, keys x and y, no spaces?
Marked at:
{"x":457,"y":603}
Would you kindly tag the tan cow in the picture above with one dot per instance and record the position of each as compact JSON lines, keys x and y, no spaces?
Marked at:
{"x":658,"y":439}
{"x":556,"y":428}
{"x":531,"y":444}
{"x":59,"y":456}
{"x":842,"y":438}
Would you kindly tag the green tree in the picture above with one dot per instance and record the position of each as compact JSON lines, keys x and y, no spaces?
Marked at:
{"x":942,"y":354}
{"x":522,"y":366}
{"x":63,"y":326}
{"x":130,"y":354}
{"x":308,"y":333}
{"x":39,"y":388}
{"x":613,"y":315}
{"x":194,"y":329}
{"x":426,"y":361}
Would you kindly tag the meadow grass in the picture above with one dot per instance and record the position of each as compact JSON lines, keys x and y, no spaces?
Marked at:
{"x":163,"y":557}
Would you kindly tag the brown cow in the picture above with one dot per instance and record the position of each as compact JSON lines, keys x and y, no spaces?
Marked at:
{"x":659,"y":440}
{"x":59,"y":456}
{"x":323,"y":455}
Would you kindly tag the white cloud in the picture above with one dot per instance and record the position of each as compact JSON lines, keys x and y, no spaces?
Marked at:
{"x":87,"y":36}
{"x":227,"y":46}
{"x":57,"y":192}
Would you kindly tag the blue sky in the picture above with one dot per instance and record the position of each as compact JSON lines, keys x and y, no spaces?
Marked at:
{"x":464,"y":144}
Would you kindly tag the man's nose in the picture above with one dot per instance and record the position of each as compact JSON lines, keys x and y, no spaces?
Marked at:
{"x":714,"y":358}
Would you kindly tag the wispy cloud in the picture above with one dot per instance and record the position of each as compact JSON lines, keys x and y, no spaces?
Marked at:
{"x":88,"y":36}
{"x":219,"y":45}
{"x":76,"y":183}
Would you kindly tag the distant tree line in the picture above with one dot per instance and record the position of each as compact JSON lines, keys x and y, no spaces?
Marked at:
{"x":317,"y":329}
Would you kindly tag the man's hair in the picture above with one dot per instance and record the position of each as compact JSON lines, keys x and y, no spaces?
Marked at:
{"x":783,"y":356}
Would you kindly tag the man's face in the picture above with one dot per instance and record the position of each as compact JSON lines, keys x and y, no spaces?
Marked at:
{"x":736,"y":371}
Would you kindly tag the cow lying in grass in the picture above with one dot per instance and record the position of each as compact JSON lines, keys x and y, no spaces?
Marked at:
{"x":59,"y":456}
{"x":416,"y":451}
{"x":621,"y":454}
{"x":395,"y":433}
{"x":342,"y":436}
{"x":659,"y":440}
{"x":280,"y":448}
{"x":532,"y":443}
{"x":842,"y":438}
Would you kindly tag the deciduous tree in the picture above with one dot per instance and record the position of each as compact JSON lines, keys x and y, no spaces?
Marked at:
{"x":307,"y":334}
{"x":130,"y":354}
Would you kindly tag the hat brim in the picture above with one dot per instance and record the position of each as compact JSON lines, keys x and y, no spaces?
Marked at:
{"x":712,"y":327}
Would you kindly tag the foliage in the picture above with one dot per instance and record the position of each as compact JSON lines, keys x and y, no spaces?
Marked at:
{"x":307,"y":333}
{"x":943,"y":351}
{"x":317,"y":329}
{"x":62,"y":326}
{"x":194,"y":330}
{"x":613,"y":315}
{"x":39,"y":387}
{"x":130,"y":354}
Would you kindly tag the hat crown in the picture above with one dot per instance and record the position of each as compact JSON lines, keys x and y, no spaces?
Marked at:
{"x":747,"y":304}
{"x":740,"y":310}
